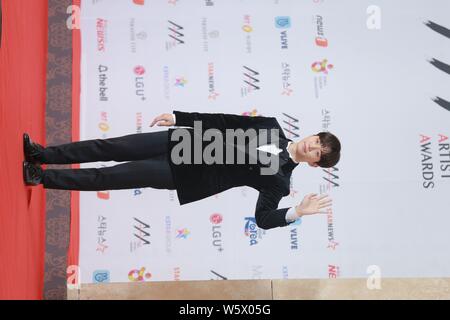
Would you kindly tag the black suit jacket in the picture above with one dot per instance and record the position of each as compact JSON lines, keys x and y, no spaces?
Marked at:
{"x":198,"y":181}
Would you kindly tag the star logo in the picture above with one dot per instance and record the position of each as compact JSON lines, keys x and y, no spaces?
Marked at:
{"x":180,"y":82}
{"x":213,"y":96}
{"x":183,"y":233}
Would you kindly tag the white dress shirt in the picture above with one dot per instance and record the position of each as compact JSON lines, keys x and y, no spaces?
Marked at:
{"x":291,"y":215}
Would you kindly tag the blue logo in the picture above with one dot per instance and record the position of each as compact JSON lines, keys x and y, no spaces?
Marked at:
{"x":100,"y":276}
{"x":252,"y":231}
{"x":297,"y":222}
{"x":283,"y":22}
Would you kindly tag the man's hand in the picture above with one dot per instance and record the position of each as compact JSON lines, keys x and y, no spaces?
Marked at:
{"x":165,"y":119}
{"x":313,"y":204}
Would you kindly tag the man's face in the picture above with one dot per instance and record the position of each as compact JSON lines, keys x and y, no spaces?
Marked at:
{"x":309,"y":150}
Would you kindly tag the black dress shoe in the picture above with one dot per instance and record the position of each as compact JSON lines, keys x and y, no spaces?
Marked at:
{"x":31,"y":150}
{"x":32,"y":174}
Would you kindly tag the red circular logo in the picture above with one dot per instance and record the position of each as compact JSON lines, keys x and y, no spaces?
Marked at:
{"x":216,"y":218}
{"x":139,"y":70}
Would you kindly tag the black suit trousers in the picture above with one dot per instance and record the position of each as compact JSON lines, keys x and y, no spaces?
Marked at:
{"x":147,"y":163}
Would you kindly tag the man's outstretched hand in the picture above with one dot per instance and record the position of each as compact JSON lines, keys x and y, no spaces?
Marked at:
{"x":165,"y":119}
{"x":313,"y":204}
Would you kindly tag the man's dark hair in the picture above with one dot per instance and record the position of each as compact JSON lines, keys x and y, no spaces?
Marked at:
{"x":333,"y":150}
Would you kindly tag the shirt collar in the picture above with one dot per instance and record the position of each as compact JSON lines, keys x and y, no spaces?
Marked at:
{"x":287,"y":149}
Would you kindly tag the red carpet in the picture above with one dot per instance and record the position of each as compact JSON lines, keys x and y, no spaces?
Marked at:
{"x":22,"y":109}
{"x":74,"y":247}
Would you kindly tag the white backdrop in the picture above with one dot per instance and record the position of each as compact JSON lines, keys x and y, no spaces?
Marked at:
{"x":391,"y":203}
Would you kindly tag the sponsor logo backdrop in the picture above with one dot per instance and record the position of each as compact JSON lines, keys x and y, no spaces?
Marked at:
{"x":315,"y":65}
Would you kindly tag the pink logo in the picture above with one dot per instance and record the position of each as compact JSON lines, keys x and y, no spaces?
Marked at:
{"x":321,"y":66}
{"x":139,"y":70}
{"x":138,"y":275}
{"x":332,"y":245}
{"x":321,"y":42}
{"x":216,"y":218}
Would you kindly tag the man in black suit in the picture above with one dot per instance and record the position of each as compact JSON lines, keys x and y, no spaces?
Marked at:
{"x":176,"y":159}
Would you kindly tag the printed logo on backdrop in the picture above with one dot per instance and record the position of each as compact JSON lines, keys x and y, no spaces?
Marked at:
{"x":252,"y":232}
{"x":444,"y":67}
{"x":139,"y":82}
{"x":321,"y":68}
{"x":251,"y":81}
{"x":175,"y":35}
{"x":320,"y":39}
{"x":102,"y":228}
{"x":247,"y":29}
{"x":294,"y":234}
{"x":285,"y":272}
{"x":209,"y":3}
{"x":141,"y":234}
{"x":177,"y":274}
{"x":139,"y":125}
{"x":257,"y":272}
{"x":136,"y":36}
{"x":102,"y":85}
{"x":183,"y":233}
{"x":332,"y":243}
{"x":333,"y":271}
{"x":173,"y":2}
{"x":434,"y":149}
{"x":101,"y":276}
{"x":286,"y":87}
{"x":103,"y":125}
{"x":166,"y":81}
{"x":172,"y":195}
{"x":139,"y":2}
{"x":331,"y":179}
{"x":252,"y":113}
{"x":290,"y":126}
{"x":283,"y":23}
{"x":216,"y":221}
{"x":102,"y":35}
{"x":326,"y":119}
{"x":212,"y":93}
{"x":180,"y":82}
{"x":373,"y":281}
{"x":214,"y":275}
{"x":168,"y":233}
{"x":103,"y":195}
{"x":139,"y":275}
{"x":208,"y":35}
